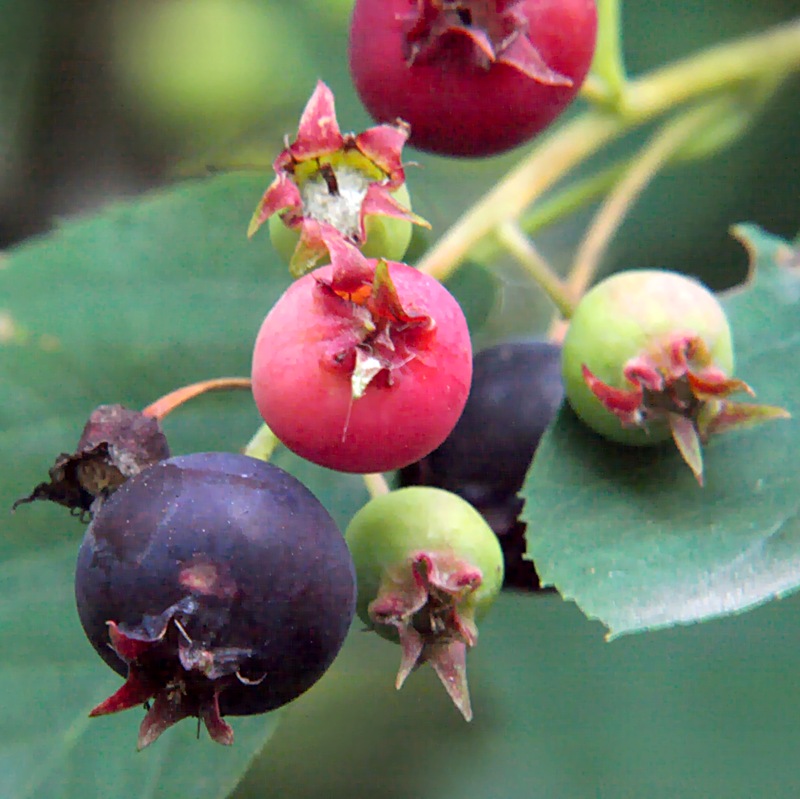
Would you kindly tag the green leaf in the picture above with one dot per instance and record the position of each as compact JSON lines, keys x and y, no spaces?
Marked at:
{"x":121,"y":307}
{"x":701,"y":713}
{"x":627,"y":533}
{"x":52,"y":678}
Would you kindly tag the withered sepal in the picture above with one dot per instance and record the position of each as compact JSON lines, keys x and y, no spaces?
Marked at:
{"x":116,"y":444}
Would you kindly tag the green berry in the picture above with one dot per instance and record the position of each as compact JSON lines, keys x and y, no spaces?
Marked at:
{"x":427,"y":566}
{"x":637,"y":317}
{"x":648,"y":356}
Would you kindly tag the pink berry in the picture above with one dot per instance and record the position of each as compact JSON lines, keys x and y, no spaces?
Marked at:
{"x":363,"y":373}
{"x":471,"y":77}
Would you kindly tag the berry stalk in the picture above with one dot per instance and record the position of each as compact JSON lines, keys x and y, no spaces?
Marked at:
{"x":169,"y":402}
{"x":263,"y":443}
{"x":560,"y":203}
{"x":651,"y":159}
{"x":376,"y":484}
{"x":523,"y":249}
{"x":773,"y":52}
{"x":607,"y":82}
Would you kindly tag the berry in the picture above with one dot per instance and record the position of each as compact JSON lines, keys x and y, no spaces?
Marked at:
{"x":353,"y":184}
{"x":471,"y":77}
{"x":362,"y":365}
{"x":427,"y":566}
{"x":218,"y":585}
{"x":516,"y":391}
{"x":647,"y":357}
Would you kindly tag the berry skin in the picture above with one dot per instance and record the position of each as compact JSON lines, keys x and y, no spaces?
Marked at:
{"x":516,"y":391}
{"x":647,"y":357}
{"x":218,"y":585}
{"x":363,"y":374}
{"x":427,"y":566}
{"x":472,"y":78}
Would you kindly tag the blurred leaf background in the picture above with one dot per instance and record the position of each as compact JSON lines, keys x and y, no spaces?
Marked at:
{"x":102,"y":100}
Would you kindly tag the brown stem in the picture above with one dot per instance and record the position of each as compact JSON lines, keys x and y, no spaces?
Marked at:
{"x":169,"y":402}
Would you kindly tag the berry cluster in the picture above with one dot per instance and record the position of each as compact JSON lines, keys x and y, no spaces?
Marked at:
{"x":217,"y":584}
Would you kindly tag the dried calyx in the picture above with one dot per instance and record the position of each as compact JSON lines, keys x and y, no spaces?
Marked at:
{"x":382,"y":335}
{"x":325,"y":177}
{"x":116,"y":443}
{"x":184,"y":678}
{"x":677,"y":382}
{"x":425,"y":601}
{"x":496,"y":33}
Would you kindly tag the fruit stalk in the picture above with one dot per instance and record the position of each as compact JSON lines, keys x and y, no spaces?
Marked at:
{"x":659,"y":149}
{"x":376,"y":484}
{"x":773,"y":52}
{"x":263,"y":443}
{"x":522,"y":248}
{"x":169,"y":402}
{"x":554,"y":207}
{"x":607,"y":80}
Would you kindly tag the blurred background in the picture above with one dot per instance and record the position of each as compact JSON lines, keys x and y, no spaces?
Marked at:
{"x":107,"y":99}
{"x":102,"y":99}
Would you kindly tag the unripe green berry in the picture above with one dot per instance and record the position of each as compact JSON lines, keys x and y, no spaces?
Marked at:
{"x":390,"y":528}
{"x":638,"y":314}
{"x":427,"y":565}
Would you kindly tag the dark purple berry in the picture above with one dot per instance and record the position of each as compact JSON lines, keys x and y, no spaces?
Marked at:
{"x":218,"y":585}
{"x":516,"y":391}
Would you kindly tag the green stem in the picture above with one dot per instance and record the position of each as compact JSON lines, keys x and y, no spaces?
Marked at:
{"x":662,"y":146}
{"x":262,"y":445}
{"x":521,"y":247}
{"x":774,"y":51}
{"x":555,"y":207}
{"x":376,"y":484}
{"x":608,"y":81}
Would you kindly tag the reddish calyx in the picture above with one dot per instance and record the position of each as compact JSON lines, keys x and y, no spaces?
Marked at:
{"x":677,"y":383}
{"x":384,"y":335}
{"x":496,"y":32}
{"x":355,"y":175}
{"x":426,"y":602}
{"x":181,"y":677}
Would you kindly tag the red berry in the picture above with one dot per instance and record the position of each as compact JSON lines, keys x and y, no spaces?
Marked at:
{"x":363,"y":376}
{"x":471,"y":77}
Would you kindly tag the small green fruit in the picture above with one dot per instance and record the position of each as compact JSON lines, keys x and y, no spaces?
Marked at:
{"x":427,"y":566}
{"x":633,"y":315}
{"x":648,"y":356}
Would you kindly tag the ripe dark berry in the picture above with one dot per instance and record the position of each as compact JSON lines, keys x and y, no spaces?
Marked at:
{"x":218,"y":585}
{"x":471,"y":77}
{"x":516,"y":391}
{"x":363,"y":365}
